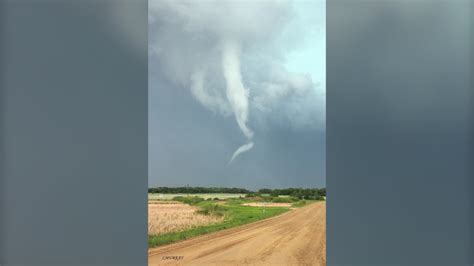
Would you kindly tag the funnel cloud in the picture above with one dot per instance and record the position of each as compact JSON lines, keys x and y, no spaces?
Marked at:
{"x":236,"y":93}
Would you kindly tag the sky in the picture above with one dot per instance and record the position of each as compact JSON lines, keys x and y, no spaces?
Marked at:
{"x":237,"y":93}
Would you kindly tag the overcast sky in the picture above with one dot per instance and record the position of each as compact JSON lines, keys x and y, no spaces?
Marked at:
{"x":237,"y":93}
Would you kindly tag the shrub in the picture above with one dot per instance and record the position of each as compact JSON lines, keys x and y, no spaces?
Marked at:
{"x":188,"y":200}
{"x":319,"y":198}
{"x":284,"y":199}
{"x":178,"y":198}
{"x":212,"y":209}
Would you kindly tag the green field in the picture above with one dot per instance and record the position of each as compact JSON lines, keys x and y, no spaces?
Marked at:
{"x":234,"y":214}
{"x":160,"y":196}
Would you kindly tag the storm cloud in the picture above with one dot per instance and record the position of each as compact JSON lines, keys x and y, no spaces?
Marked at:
{"x":231,"y":58}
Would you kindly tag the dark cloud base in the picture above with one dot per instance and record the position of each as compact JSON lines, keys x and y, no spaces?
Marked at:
{"x":188,"y":144}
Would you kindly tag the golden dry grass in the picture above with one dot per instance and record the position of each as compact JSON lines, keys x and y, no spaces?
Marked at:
{"x":174,"y":217}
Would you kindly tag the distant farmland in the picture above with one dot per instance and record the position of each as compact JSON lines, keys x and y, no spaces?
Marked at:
{"x":162,"y":196}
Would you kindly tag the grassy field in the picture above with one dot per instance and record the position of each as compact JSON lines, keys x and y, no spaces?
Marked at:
{"x":233,"y":213}
{"x":176,"y":217}
{"x":159,"y":196}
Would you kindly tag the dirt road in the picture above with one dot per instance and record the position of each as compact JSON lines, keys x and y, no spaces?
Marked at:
{"x":297,"y":237}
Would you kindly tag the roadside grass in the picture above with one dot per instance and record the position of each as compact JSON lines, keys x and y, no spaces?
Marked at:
{"x":234,"y":215}
{"x":303,"y":203}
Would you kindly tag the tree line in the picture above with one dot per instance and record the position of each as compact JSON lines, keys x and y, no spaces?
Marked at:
{"x":194,"y":190}
{"x":302,"y":193}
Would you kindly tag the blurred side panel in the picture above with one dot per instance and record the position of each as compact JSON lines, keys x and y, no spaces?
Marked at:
{"x":399,"y":132}
{"x":73,"y":132}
